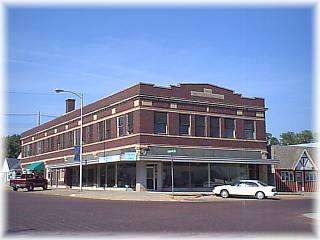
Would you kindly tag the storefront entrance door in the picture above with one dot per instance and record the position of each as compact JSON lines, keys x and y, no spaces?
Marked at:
{"x":151,"y":177}
{"x":299,"y":181}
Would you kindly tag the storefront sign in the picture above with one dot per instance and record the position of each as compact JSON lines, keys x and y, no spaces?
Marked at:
{"x":172,"y":151}
{"x":113,"y":158}
{"x":129,"y":156}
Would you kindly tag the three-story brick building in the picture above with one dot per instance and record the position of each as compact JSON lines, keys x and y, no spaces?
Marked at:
{"x":219,"y":136}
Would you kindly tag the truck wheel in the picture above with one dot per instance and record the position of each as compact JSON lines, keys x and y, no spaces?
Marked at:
{"x":15,"y":189}
{"x":30,"y":187}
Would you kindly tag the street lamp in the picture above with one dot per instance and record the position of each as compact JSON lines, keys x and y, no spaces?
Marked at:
{"x":81,"y":121}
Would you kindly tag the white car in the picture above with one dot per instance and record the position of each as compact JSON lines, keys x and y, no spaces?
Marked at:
{"x":253,"y":188}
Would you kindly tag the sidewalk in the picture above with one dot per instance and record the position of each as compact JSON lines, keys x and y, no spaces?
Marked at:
{"x":156,"y":196}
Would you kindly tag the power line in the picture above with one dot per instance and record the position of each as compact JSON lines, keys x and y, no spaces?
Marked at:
{"x":28,"y":114}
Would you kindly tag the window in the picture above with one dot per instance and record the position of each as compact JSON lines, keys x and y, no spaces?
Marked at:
{"x":100,"y":130}
{"x":88,"y":134}
{"x":184,"y":124}
{"x":38,"y":145}
{"x":249,"y":132}
{"x":160,"y":122}
{"x":28,"y":150}
{"x":108,"y":128}
{"x":120,"y":126}
{"x":251,"y":184}
{"x":200,"y":126}
{"x":287,"y":176}
{"x":60,"y":142}
{"x":214,"y":127}
{"x":76,"y":138}
{"x":69,"y":139}
{"x":130,"y":123}
{"x":311,"y":176}
{"x":229,"y":131}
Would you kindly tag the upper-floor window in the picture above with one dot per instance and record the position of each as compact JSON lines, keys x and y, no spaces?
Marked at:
{"x":129,"y":123}
{"x":120,"y":126}
{"x":108,"y":128}
{"x":100,"y":130}
{"x":249,"y":131}
{"x":160,"y":122}
{"x":229,"y":128}
{"x":69,"y":139}
{"x":88,"y":134}
{"x":184,"y":124}
{"x":214,"y":127}
{"x":200,"y":126}
{"x":76,"y":138}
{"x":60,"y":142}
{"x":40,"y":146}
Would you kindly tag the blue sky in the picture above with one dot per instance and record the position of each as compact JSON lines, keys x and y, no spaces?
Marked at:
{"x":264,"y":52}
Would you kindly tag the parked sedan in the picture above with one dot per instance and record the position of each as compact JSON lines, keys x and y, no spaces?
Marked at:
{"x":252,"y":188}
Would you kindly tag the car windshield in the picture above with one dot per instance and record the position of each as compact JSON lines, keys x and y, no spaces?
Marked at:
{"x":235,"y":183}
{"x":262,"y":183}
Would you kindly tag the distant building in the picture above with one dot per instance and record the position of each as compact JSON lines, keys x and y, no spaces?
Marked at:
{"x":298,"y":168}
{"x":9,"y":168}
{"x":218,"y":136}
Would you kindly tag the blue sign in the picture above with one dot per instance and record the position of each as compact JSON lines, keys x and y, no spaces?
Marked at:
{"x":129,"y":156}
{"x":76,"y":154}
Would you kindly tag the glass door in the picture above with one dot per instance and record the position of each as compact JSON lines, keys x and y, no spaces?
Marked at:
{"x":151,"y":177}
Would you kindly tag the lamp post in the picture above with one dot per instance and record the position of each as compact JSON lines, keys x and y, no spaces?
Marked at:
{"x":81,"y":124}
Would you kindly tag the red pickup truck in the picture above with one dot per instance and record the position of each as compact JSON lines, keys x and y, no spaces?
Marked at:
{"x":29,"y":181}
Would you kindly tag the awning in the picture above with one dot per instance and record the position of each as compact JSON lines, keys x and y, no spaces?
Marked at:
{"x":37,"y":166}
{"x":177,"y":158}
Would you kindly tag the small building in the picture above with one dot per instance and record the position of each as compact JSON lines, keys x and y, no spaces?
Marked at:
{"x":9,"y":168}
{"x":298,"y":167}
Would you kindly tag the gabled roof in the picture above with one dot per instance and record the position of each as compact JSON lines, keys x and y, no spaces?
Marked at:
{"x":13,"y":163}
{"x":290,"y":155}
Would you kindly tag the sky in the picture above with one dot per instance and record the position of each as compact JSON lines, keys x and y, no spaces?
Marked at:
{"x":257,"y":52}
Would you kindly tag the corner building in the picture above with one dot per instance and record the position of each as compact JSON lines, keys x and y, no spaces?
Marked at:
{"x":218,"y":135}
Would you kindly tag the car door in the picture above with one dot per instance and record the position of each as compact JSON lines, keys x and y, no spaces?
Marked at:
{"x":239,"y":189}
{"x":252,"y":188}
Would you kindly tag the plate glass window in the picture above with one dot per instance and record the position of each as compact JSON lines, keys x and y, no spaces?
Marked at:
{"x":200,"y":126}
{"x":160,"y":122}
{"x":184,"y":124}
{"x":249,"y":132}
{"x":229,"y":131}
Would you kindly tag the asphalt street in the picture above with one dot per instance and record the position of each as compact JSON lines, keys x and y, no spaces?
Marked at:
{"x":32,"y":213}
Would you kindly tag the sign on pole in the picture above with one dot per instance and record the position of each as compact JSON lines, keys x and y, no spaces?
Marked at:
{"x":172,"y":151}
{"x":76,"y":154}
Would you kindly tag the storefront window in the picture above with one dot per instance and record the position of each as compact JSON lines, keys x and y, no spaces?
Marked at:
{"x":166,"y":175}
{"x":110,"y":174}
{"x":199,"y":174}
{"x":181,"y":175}
{"x":126,"y":175}
{"x":228,"y":173}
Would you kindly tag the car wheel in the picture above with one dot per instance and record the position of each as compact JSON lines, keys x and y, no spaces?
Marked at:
{"x":30,"y":187}
{"x":224,"y":193}
{"x":260,"y":195}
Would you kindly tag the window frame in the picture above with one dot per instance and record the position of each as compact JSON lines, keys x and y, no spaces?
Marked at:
{"x":107,"y":129}
{"x":233,"y":129}
{"x":156,"y":123}
{"x":252,"y":131}
{"x":189,"y":124}
{"x":129,"y":123}
{"x":200,"y":126}
{"x":219,"y":126}
{"x":120,"y":127}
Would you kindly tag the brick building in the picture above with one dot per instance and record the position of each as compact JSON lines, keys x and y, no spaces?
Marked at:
{"x":219,"y":136}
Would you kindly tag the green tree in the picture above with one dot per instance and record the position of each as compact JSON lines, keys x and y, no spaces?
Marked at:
{"x":306,"y":136}
{"x":12,"y":144}
{"x":288,"y":138}
{"x":271,"y":140}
